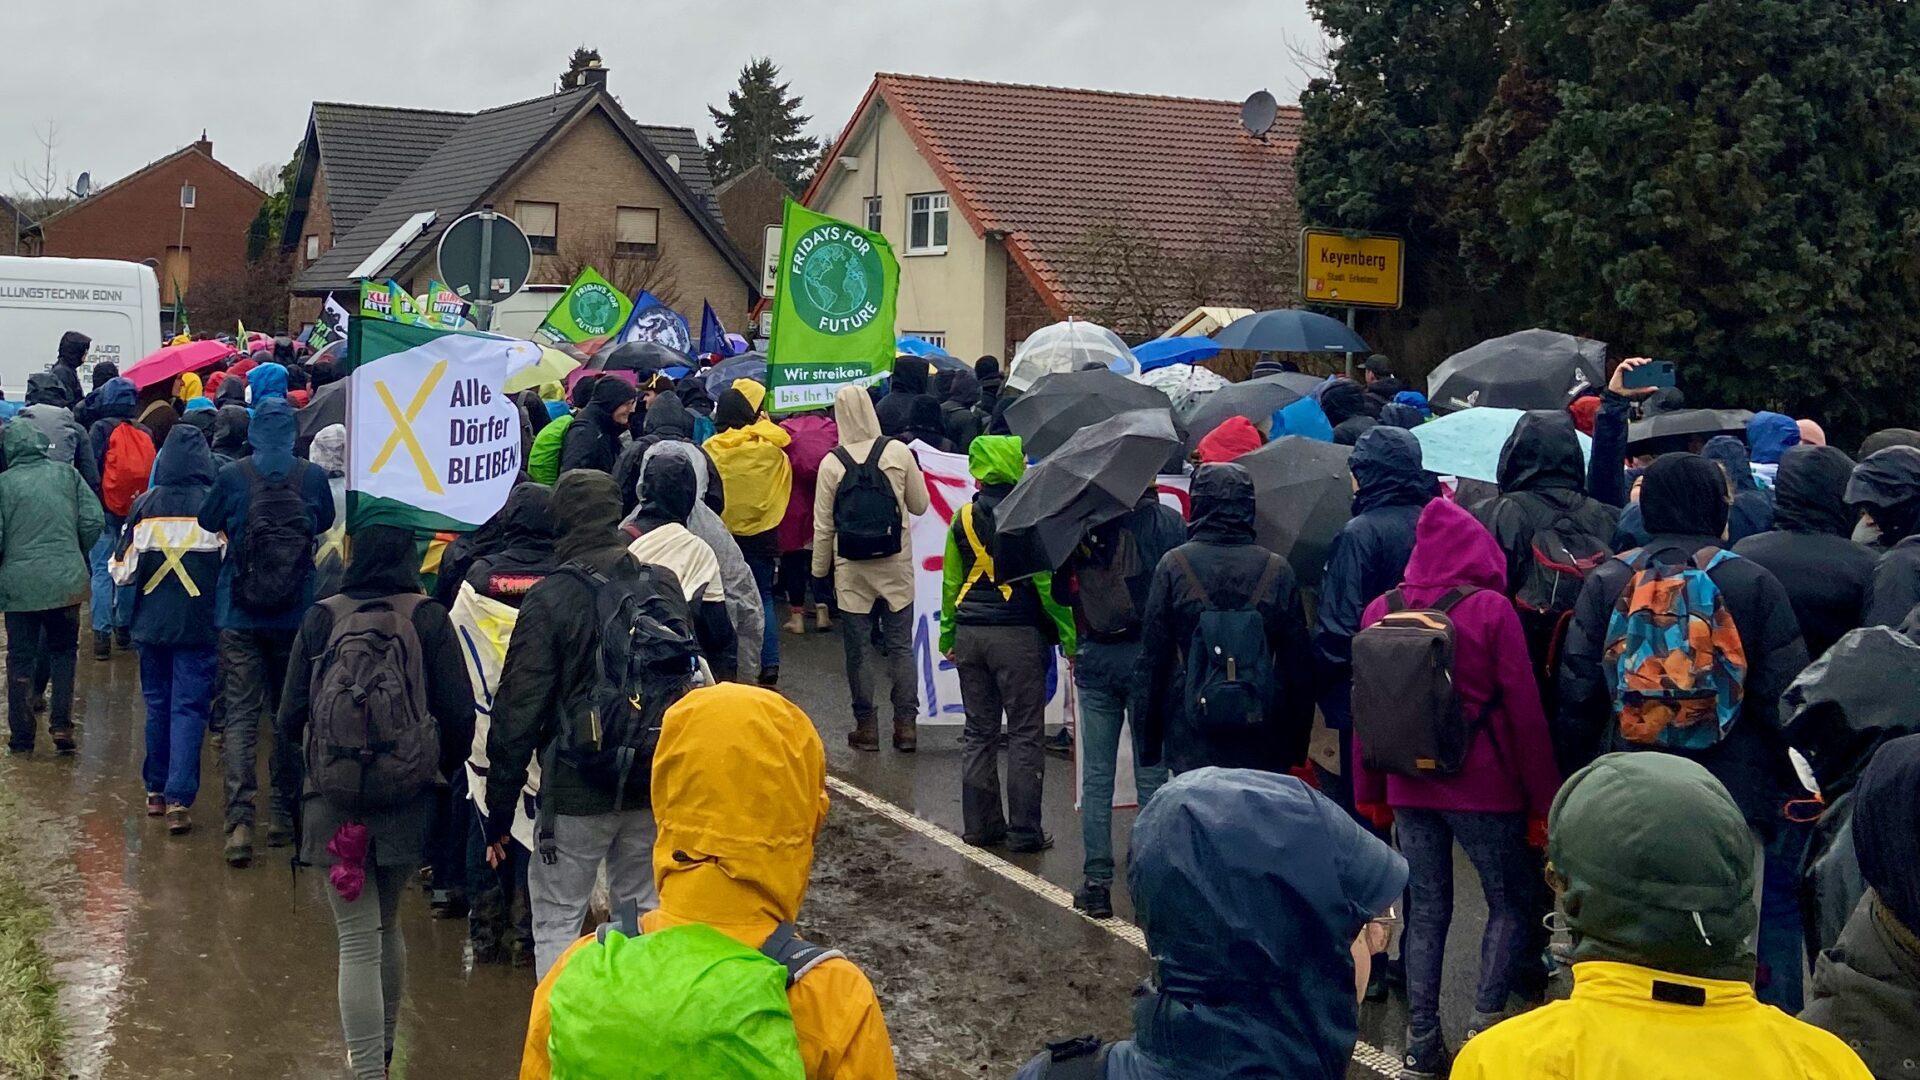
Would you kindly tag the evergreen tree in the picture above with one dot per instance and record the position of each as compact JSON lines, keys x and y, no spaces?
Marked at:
{"x":761,"y":125}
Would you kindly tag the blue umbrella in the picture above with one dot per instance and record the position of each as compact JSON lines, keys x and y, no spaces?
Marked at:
{"x":746,"y":366}
{"x":908,"y":345}
{"x":1289,"y":331}
{"x":1176,"y":350}
{"x":1467,"y":443}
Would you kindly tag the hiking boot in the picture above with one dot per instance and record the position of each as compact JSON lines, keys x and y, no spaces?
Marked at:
{"x":865,"y":735}
{"x":1060,"y":742}
{"x":1031,"y":845}
{"x":1426,"y":1057}
{"x":279,"y":833}
{"x":239,"y":849}
{"x":63,"y":743}
{"x":156,"y":804}
{"x":123,"y":637}
{"x":986,"y":840}
{"x":822,"y":618}
{"x":796,"y":622}
{"x":906,"y":735}
{"x":1480,"y":1022}
{"x":770,"y":675}
{"x":1094,"y":899}
{"x":178,"y":823}
{"x":102,"y":646}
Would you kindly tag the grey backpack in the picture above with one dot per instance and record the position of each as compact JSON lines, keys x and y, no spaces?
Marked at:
{"x":371,"y":744}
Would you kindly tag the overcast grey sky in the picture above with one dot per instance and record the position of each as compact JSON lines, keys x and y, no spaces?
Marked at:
{"x":129,"y":81}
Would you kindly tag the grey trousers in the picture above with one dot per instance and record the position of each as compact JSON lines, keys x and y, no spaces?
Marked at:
{"x":1002,"y":669}
{"x":891,"y":634}
{"x":373,"y":968}
{"x":560,"y":893}
{"x":253,"y":669}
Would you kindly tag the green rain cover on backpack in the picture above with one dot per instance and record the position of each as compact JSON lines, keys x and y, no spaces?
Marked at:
{"x":543,"y":461}
{"x":687,"y":1003}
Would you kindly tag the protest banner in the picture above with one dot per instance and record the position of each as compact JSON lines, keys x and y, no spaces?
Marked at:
{"x":654,"y":321}
{"x":433,"y":443}
{"x":590,"y":308}
{"x":443,"y":308}
{"x":833,"y":311}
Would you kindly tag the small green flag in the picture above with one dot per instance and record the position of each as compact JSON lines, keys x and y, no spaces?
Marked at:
{"x":833,"y":311}
{"x":179,"y":310}
{"x":590,"y":308}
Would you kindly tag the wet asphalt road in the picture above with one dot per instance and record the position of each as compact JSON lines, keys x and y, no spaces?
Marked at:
{"x":178,"y":967}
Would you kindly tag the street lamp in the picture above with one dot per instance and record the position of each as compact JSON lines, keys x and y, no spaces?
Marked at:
{"x":187,"y":196}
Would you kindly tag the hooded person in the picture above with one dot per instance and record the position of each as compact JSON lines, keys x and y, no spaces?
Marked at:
{"x":926,"y":423}
{"x":1752,"y":510}
{"x":592,"y":441}
{"x":1656,"y":875}
{"x":1234,"y":437}
{"x":667,"y":419}
{"x":1495,"y":805}
{"x":200,"y":414}
{"x":814,"y":436}
{"x":1349,"y":410}
{"x":736,"y":577}
{"x":1368,"y":556}
{"x":186,"y":387}
{"x":911,"y":382}
{"x":875,"y":595}
{"x":232,"y":391}
{"x":65,"y":368}
{"x":1401,"y":415}
{"x":1000,"y":637}
{"x":329,"y":452}
{"x":669,"y":489}
{"x":1222,"y":568}
{"x":1251,"y":889}
{"x":986,"y":371}
{"x":49,"y":519}
{"x":256,"y":641}
{"x":1770,"y":435}
{"x":48,"y":408}
{"x":158,"y":417}
{"x":1885,"y":489}
{"x":268,"y":380}
{"x":229,"y":438}
{"x":739,"y":790}
{"x":749,"y":451}
{"x":1886,"y":437}
{"x":103,"y":373}
{"x":551,"y":661}
{"x":1866,"y":988}
{"x":1809,"y":551}
{"x":382,"y":575}
{"x":959,"y":412}
{"x":169,"y":565}
{"x":543,"y":457}
{"x":124,"y":473}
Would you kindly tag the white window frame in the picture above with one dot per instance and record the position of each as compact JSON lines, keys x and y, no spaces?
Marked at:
{"x":934,"y":205}
{"x":873,"y":206}
{"x":936,"y":338}
{"x":313,"y":246}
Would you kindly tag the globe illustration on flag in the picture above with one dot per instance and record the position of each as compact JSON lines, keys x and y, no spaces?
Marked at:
{"x":835,"y":280}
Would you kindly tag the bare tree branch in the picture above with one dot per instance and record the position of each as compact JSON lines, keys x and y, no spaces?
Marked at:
{"x":657,"y":273}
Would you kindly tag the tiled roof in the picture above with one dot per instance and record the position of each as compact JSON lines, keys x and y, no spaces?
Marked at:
{"x":684,"y":144}
{"x":369,"y":149}
{"x":1047,"y":166}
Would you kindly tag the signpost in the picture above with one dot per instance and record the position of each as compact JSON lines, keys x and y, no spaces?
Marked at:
{"x":485,"y":258}
{"x":1351,"y":270}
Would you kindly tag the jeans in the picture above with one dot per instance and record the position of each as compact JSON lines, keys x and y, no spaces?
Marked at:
{"x":108,"y":605}
{"x":177,"y":682}
{"x":1782,"y":931}
{"x":254,"y":663}
{"x":496,"y":897}
{"x":1496,"y":844}
{"x":1104,"y":677}
{"x":798,"y":586}
{"x":40,"y":640}
{"x":446,"y":849}
{"x":373,"y":967}
{"x":1002,"y":669}
{"x":891,"y":634}
{"x":765,"y":568}
{"x":560,"y":891}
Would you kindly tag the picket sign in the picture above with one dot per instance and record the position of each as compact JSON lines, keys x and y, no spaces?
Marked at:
{"x":949,"y":487}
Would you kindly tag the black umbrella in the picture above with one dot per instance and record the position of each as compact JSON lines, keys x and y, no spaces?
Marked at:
{"x":1289,"y":331}
{"x":640,"y":356}
{"x":1533,"y":369}
{"x":1303,"y":494}
{"x":1057,"y":405}
{"x":1682,"y":422}
{"x":1855,"y":697}
{"x":327,"y":406}
{"x":1255,"y":399}
{"x":1094,"y":477}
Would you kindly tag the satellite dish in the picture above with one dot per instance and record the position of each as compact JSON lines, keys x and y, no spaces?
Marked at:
{"x":1258,"y":114}
{"x":83,"y":187}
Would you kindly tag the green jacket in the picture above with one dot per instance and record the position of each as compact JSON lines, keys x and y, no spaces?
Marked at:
{"x":543,"y":460}
{"x":997,"y":463}
{"x":49,"y":520}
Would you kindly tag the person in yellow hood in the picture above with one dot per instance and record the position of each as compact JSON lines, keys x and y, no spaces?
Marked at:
{"x":739,"y":794}
{"x":1655,"y":870}
{"x":185,"y":388}
{"x":750,"y":453}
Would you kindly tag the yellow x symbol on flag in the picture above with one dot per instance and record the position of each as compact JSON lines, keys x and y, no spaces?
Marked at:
{"x":174,"y":566}
{"x":332,"y":542}
{"x":403,"y":428}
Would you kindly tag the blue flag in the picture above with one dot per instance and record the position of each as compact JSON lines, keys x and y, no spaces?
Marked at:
{"x":654,"y":321}
{"x":713,"y":336}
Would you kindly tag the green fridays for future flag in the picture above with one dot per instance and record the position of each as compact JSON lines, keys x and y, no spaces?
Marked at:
{"x":832,"y":311}
{"x":432,"y":443}
{"x":590,"y":308}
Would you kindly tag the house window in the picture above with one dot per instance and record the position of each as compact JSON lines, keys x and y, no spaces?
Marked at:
{"x":313,"y":246}
{"x":936,"y":338}
{"x":873,"y":213}
{"x":636,"y":231}
{"x":927,"y":224}
{"x":541,"y":222}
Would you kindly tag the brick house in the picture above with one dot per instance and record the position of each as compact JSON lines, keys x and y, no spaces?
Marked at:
{"x":143,"y":217}
{"x":1011,"y":207}
{"x":749,"y":202}
{"x":586,"y":183}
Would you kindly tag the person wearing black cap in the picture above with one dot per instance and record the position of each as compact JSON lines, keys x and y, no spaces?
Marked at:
{"x":1885,"y":489}
{"x":1382,"y":383}
{"x":593,"y":442}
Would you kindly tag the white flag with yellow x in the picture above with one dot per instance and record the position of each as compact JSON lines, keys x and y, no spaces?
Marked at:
{"x":432,"y":440}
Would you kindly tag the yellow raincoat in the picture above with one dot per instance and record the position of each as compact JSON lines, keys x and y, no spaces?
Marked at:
{"x":754,"y":470}
{"x":187,"y":387}
{"x":1613,"y":1029}
{"x":739,"y":784}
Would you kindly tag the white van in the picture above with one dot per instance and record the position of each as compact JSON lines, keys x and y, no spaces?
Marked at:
{"x":522,"y":313}
{"x":115,"y":303}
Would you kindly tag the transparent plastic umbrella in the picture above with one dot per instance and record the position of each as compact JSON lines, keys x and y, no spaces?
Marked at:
{"x":1185,"y":385}
{"x":1069,"y":346}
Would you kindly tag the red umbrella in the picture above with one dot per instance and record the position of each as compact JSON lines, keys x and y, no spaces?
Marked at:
{"x":171,"y":361}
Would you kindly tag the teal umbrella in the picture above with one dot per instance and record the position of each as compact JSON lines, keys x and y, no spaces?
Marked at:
{"x":1467,"y":443}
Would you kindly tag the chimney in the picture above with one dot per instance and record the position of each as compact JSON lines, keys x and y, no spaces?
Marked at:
{"x":203,"y":144}
{"x":591,"y":75}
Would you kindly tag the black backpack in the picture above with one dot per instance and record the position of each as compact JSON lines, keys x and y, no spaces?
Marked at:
{"x":1560,"y":558}
{"x":1406,"y":713}
{"x":1102,"y":580}
{"x":866,"y":515}
{"x":645,"y":659}
{"x":1230,"y":676}
{"x":371,"y":744}
{"x":273,"y":555}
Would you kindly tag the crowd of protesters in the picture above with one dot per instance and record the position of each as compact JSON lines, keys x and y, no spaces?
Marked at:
{"x":1586,"y":679}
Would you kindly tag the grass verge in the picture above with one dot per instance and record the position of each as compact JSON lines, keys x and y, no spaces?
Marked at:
{"x":30,"y":1031}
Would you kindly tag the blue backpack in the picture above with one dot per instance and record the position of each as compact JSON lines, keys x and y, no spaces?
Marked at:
{"x":1674,"y":660}
{"x":1230,"y":677}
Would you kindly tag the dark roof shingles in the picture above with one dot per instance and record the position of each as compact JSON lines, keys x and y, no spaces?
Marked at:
{"x":369,"y":149}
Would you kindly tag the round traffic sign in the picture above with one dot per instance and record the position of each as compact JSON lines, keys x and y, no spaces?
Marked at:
{"x":485,"y":257}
